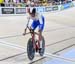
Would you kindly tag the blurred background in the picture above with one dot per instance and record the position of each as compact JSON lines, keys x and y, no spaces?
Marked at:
{"x":32,"y":3}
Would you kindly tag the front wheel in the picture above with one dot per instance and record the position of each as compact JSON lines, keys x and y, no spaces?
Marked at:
{"x":42,"y":50}
{"x":30,"y":49}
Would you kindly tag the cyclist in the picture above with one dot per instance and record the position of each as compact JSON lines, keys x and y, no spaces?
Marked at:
{"x":37,"y":21}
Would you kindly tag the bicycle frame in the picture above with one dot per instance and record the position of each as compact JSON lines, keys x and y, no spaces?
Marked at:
{"x":34,"y":41}
{"x":33,"y":33}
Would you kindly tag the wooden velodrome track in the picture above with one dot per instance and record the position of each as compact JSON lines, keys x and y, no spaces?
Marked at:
{"x":59,"y":35}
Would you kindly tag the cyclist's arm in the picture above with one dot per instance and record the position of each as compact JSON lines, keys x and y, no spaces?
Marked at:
{"x":26,"y":26}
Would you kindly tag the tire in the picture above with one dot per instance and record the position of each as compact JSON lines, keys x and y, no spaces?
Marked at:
{"x":30,"y":50}
{"x":42,"y":50}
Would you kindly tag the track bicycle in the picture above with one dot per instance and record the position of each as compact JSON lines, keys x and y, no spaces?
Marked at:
{"x":33,"y":44}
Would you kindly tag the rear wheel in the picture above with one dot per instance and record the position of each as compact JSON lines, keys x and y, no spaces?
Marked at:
{"x":30,"y":49}
{"x":42,"y":50}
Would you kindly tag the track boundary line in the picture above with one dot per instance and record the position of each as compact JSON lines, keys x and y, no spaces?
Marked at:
{"x":37,"y":60}
{"x":60,"y":41}
{"x":10,"y":36}
{"x":18,"y":35}
{"x":12,"y":45}
{"x":24,"y":53}
{"x":64,"y":48}
{"x":23,"y":48}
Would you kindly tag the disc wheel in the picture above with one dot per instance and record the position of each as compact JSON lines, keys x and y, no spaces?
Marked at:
{"x":30,"y":50}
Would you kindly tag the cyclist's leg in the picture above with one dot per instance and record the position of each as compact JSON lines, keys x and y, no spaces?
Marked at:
{"x":41,"y":27}
{"x":34,"y":24}
{"x":33,"y":27}
{"x":40,"y":36}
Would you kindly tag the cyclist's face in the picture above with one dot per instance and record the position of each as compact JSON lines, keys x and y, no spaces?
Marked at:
{"x":32,"y":14}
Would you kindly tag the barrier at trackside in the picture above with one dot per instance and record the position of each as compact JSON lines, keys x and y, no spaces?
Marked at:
{"x":0,"y":10}
{"x":66,"y":6}
{"x":22,"y":10}
{"x":74,"y":3}
{"x":7,"y":10}
{"x":13,"y":10}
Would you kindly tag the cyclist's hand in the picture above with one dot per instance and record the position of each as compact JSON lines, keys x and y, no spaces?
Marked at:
{"x":24,"y":32}
{"x":31,"y":30}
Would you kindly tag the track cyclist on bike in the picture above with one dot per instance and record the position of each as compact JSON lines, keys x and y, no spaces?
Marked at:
{"x":37,"y":21}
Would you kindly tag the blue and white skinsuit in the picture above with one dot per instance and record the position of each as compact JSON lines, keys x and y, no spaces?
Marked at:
{"x":37,"y":21}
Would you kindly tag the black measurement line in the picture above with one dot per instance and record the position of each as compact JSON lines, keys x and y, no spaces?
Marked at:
{"x":60,"y":41}
{"x":19,"y":35}
{"x":12,"y":56}
{"x":37,"y":60}
{"x":46,"y":46}
{"x":64,"y":49}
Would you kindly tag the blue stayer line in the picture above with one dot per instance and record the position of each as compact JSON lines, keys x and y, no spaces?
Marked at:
{"x":58,"y":61}
{"x":70,"y":54}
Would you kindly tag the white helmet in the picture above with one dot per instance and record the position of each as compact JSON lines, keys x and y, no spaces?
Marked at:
{"x":32,"y":10}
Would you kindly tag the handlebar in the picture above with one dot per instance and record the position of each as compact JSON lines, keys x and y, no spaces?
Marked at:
{"x":30,"y":31}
